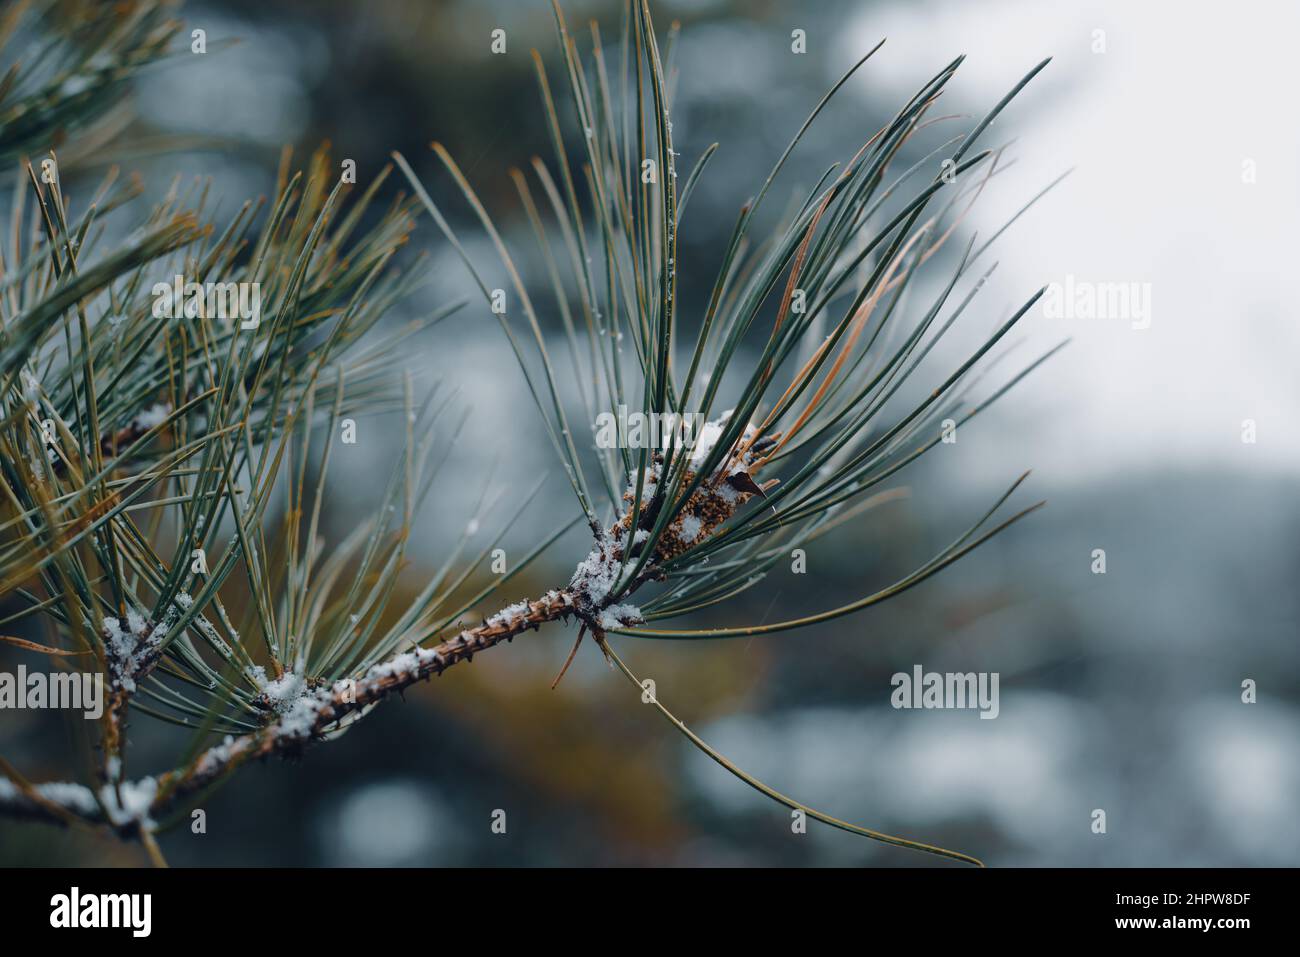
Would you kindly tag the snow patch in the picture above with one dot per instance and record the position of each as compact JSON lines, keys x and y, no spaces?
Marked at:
{"x":709,"y":436}
{"x":136,"y":797}
{"x":728,"y":493}
{"x":597,"y":574}
{"x":132,"y":645}
{"x":284,"y":692}
{"x":406,"y":665}
{"x":506,"y":616}
{"x":75,"y":797}
{"x":620,"y":616}
{"x":152,"y":417}
{"x":299,"y":718}
{"x":222,"y":754}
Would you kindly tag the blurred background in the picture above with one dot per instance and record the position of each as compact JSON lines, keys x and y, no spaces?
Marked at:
{"x":1119,"y":691}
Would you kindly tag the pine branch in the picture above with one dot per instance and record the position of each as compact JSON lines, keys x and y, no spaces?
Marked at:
{"x":322,"y":713}
{"x":81,"y":71}
{"x":315,"y":716}
{"x":141,"y":458}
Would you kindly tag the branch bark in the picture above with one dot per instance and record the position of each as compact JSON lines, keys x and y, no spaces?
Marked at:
{"x":133,"y":808}
{"x":311,"y":718}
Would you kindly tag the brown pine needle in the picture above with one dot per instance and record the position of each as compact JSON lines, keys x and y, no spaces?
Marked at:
{"x":573,"y":653}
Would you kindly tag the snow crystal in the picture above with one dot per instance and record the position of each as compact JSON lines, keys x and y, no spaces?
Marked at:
{"x":691,"y":527}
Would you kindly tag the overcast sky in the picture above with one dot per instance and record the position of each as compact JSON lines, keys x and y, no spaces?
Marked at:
{"x":1161,"y":128}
